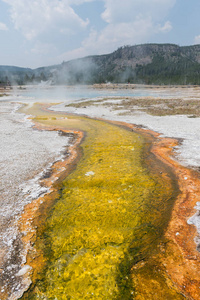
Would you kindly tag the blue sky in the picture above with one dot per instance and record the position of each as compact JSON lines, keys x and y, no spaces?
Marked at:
{"x":45,"y":32}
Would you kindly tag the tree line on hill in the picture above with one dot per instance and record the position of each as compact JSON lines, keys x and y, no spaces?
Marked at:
{"x":145,"y":64}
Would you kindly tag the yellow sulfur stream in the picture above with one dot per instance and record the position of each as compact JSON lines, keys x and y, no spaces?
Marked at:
{"x":111,"y":214}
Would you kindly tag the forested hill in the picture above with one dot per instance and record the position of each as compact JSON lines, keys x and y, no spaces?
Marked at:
{"x":148,"y":63}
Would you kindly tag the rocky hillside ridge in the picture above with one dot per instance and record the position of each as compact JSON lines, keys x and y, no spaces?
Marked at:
{"x":147,"y":63}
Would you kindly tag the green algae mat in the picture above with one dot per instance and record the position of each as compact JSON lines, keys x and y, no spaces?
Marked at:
{"x":111,"y":215}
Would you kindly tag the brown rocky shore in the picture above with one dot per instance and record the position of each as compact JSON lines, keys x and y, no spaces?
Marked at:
{"x":178,"y":255}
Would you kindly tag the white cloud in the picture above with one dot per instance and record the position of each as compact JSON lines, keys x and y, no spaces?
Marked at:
{"x":166,"y":28}
{"x":37,"y":17}
{"x":197,"y":39}
{"x":42,"y":48}
{"x":112,"y":37}
{"x":115,"y":35}
{"x":117,"y":11}
{"x":78,"y":2}
{"x":128,"y":22}
{"x":3,"y":27}
{"x":131,"y":22}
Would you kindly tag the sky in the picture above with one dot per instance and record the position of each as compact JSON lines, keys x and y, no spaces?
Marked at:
{"x":39,"y":33}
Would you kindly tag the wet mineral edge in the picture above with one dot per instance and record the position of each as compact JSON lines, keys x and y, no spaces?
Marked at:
{"x":25,"y":156}
{"x":111,"y":215}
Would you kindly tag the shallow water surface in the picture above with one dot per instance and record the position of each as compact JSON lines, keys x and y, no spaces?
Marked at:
{"x":111,"y":214}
